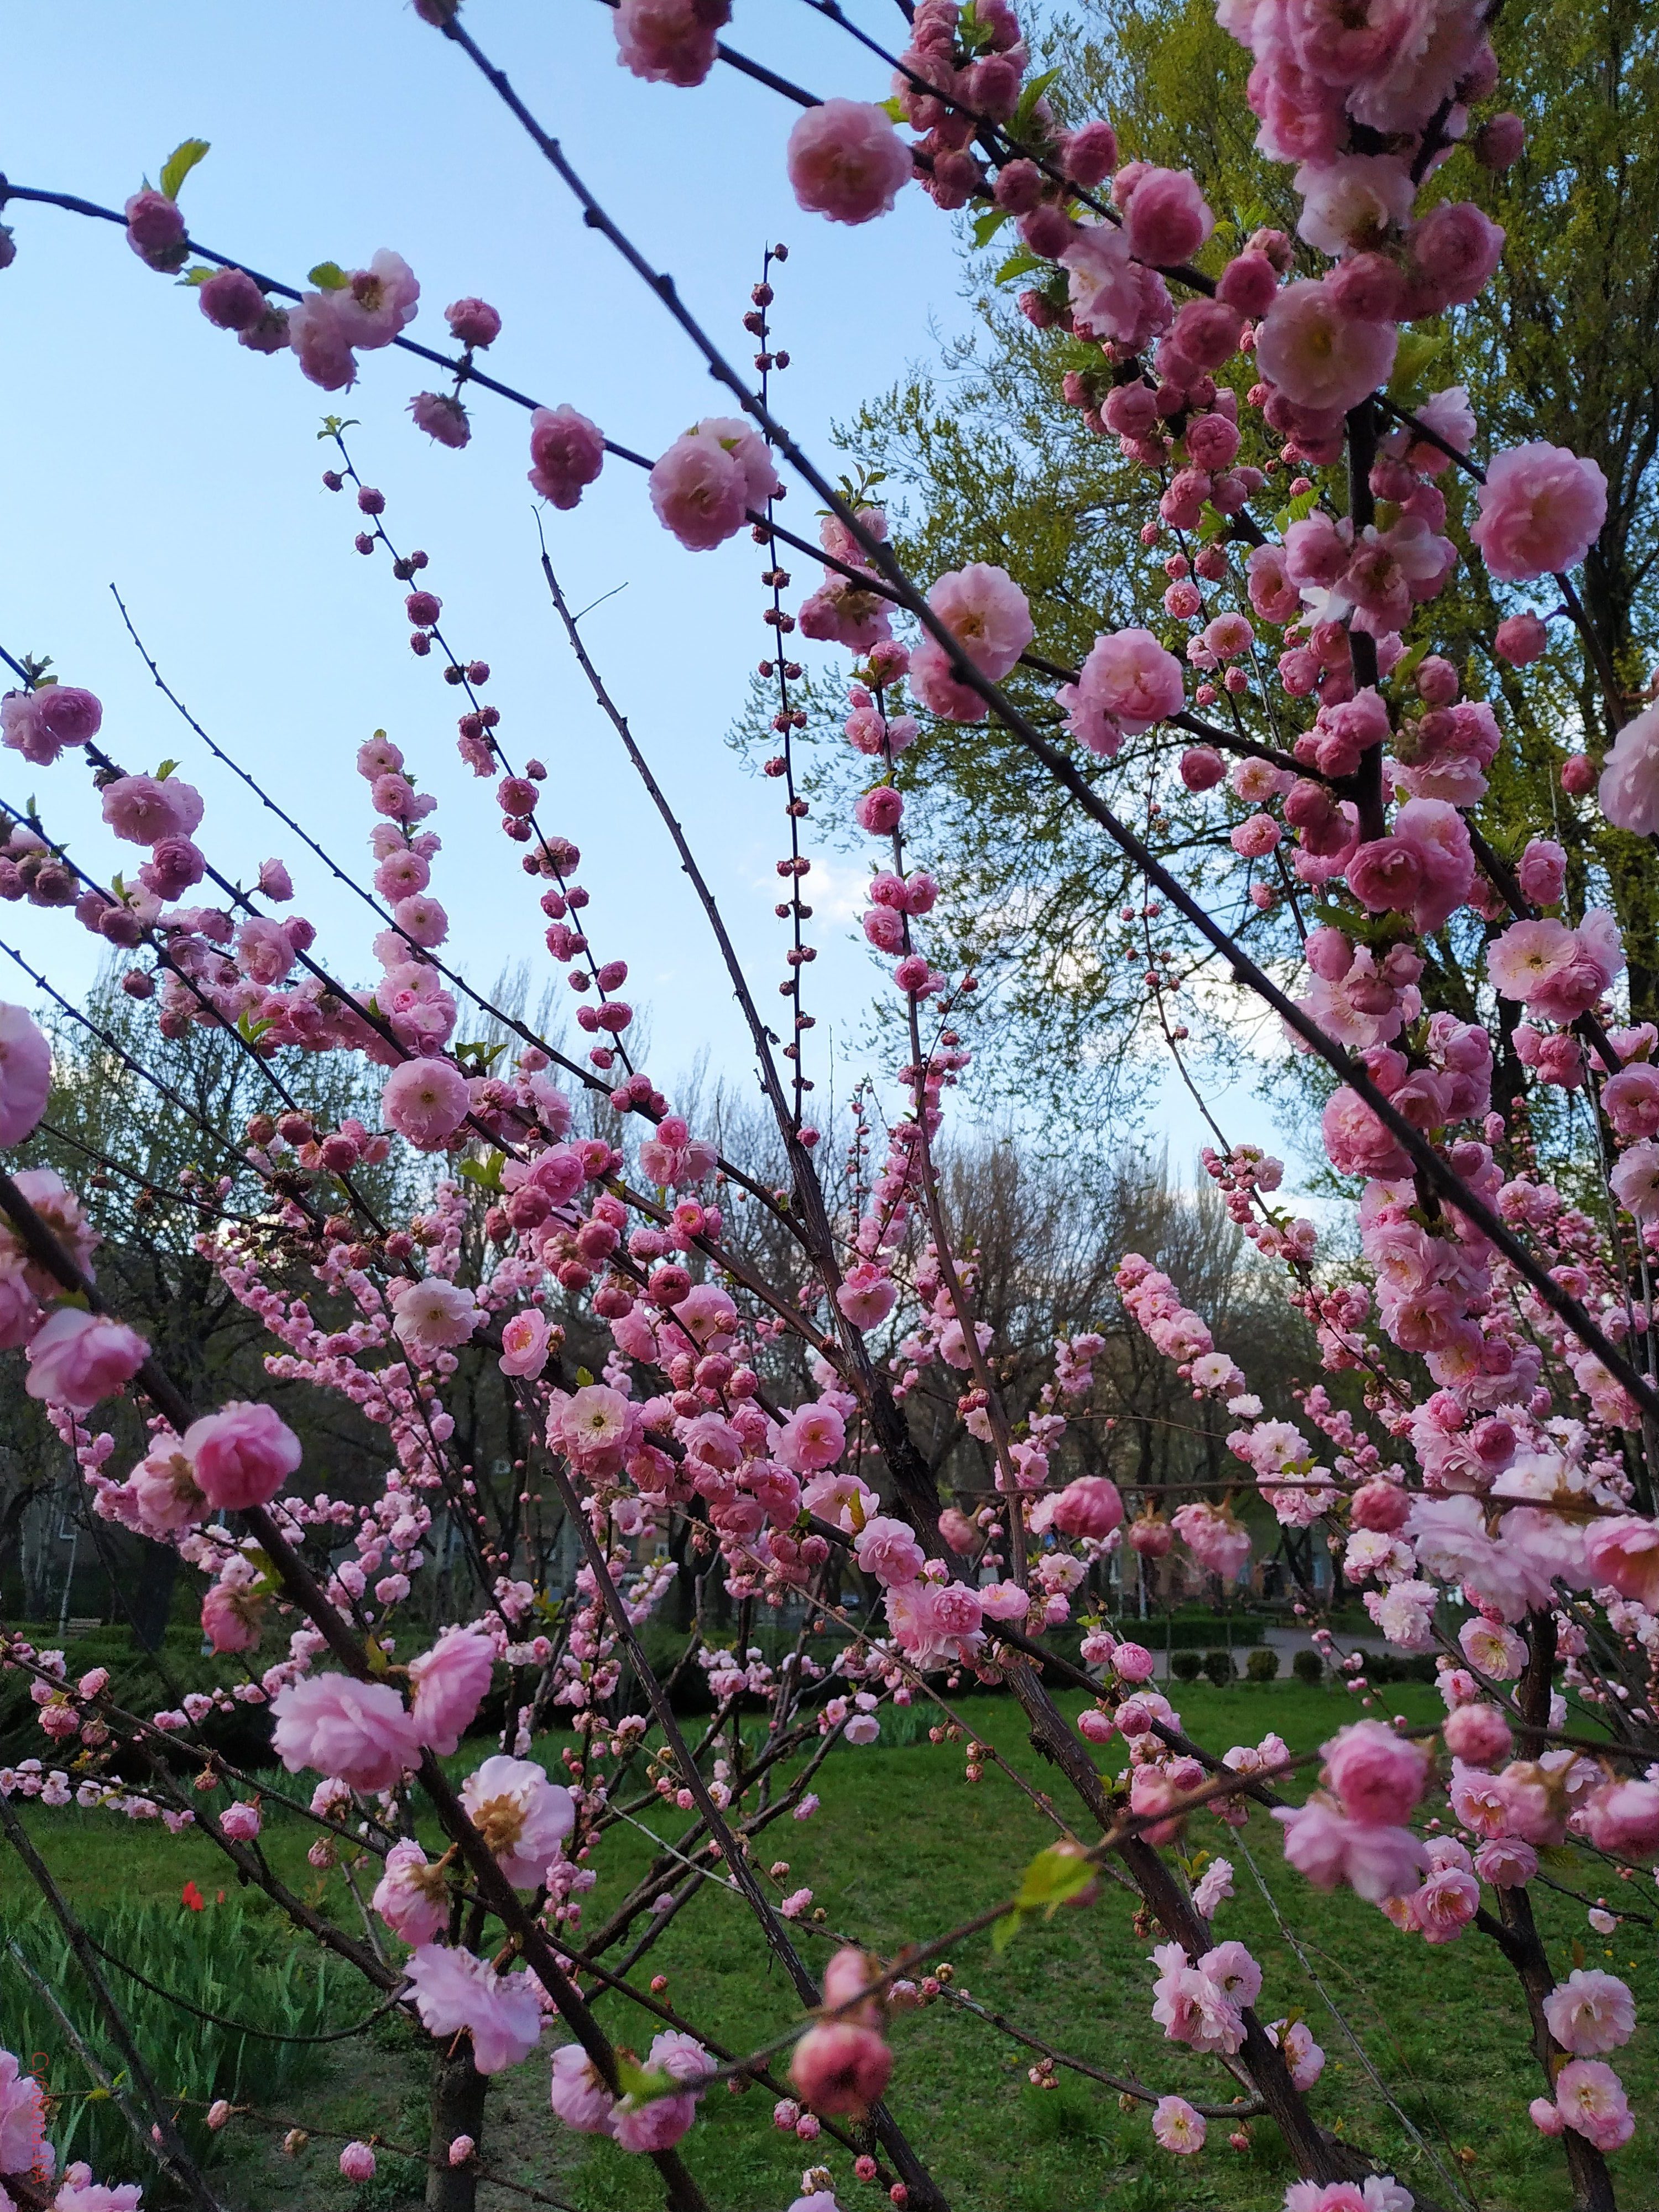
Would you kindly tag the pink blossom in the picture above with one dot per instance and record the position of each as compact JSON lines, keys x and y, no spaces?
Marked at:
{"x":411,"y":1896}
{"x":867,"y":1295}
{"x":669,"y":41}
{"x":1323,"y":1843}
{"x":708,"y":480}
{"x":1215,"y":1541}
{"x":1623,"y":1817}
{"x":75,"y":1359}
{"x":375,"y":303}
{"x":577,"y":2094}
{"x":42,"y":723}
{"x":232,"y":300}
{"x":317,"y":334}
{"x":454,"y":1990}
{"x":1506,"y":1863}
{"x":472,"y":322}
{"x":1478,"y":1734}
{"x":449,"y":1684}
{"x":524,"y":1343}
{"x":1090,"y":1506}
{"x":1521,"y":640}
{"x":156,"y":230}
{"x":1541,"y":509}
{"x":443,"y":418}
{"x":1631,"y":1099}
{"x":1629,"y":789}
{"x":23,"y":2120}
{"x":356,"y":1732}
{"x":1317,"y":357}
{"x":1635,"y":1181}
{"x":1591,"y":2099}
{"x":847,"y":162}
{"x":1454,"y":251}
{"x":1167,"y":219}
{"x":1353,"y":201}
{"x":1624,"y":1552}
{"x":837,"y":2068}
{"x":1273,"y":595}
{"x":432,"y":1316}
{"x":25,"y":1074}
{"x":1234,"y":1972}
{"x":1177,"y":2126}
{"x":1378,"y":1775}
{"x":144,"y":808}
{"x":1255,"y":837}
{"x":521,"y":1816}
{"x":1112,"y":296}
{"x":1590,"y":2012}
{"x":357,"y":2162}
{"x":1187,"y":2004}
{"x":1128,"y":683}
{"x":241,"y":1455}
{"x":814,"y":1437}
{"x":658,"y":2122}
{"x":1527,"y":954}
{"x":425,"y":1101}
{"x":1542,"y":873}
{"x":567,"y":453}
{"x":1443,"y":1907}
{"x":987,"y":614}
{"x":886,"y":1549}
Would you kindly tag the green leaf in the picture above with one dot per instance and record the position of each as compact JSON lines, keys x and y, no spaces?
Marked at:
{"x":332,"y":426}
{"x":583,"y":1378}
{"x":1021,"y":264}
{"x":1028,"y":101}
{"x":165,"y":770}
{"x":483,"y":1055}
{"x":197,"y":273}
{"x":642,"y":2083}
{"x":986,"y":226}
{"x":1018,"y":264}
{"x":328,"y":276}
{"x":1297,"y":510}
{"x":1408,"y":663}
{"x":1004,"y":1931}
{"x":251,"y":1030}
{"x":893,"y":109}
{"x":1416,"y":350}
{"x":180,"y":163}
{"x":487,"y":1174}
{"x":1054,"y":1877}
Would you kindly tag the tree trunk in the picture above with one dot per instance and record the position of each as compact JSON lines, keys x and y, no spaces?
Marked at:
{"x":459,"y":2091}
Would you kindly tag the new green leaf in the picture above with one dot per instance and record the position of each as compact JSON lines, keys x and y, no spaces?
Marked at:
{"x":180,"y":163}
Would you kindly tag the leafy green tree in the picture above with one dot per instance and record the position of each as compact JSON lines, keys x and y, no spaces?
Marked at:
{"x":982,"y":459}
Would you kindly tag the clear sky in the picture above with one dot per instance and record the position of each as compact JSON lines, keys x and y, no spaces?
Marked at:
{"x":144,"y":448}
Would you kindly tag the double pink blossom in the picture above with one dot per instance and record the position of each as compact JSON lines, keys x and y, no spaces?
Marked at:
{"x":359,"y":1733}
{"x":1541,"y":508}
{"x":847,"y":162}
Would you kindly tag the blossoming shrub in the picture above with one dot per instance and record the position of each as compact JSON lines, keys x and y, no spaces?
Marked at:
{"x":1475,"y":1456}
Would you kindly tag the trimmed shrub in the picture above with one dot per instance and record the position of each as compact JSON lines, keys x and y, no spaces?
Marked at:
{"x":1219,"y":1666}
{"x":1186,"y":1666}
{"x":1263,"y":1666}
{"x":1308,"y":1667}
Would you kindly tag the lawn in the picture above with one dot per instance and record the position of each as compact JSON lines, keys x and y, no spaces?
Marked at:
{"x":903,"y":1847}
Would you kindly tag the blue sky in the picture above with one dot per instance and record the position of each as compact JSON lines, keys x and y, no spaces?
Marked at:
{"x":146,"y":449}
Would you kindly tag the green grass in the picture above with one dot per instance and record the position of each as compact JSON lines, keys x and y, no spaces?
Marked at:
{"x":902,"y":1848}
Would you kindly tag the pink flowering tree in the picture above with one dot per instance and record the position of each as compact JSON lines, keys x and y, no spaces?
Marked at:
{"x":1479,"y":1458}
